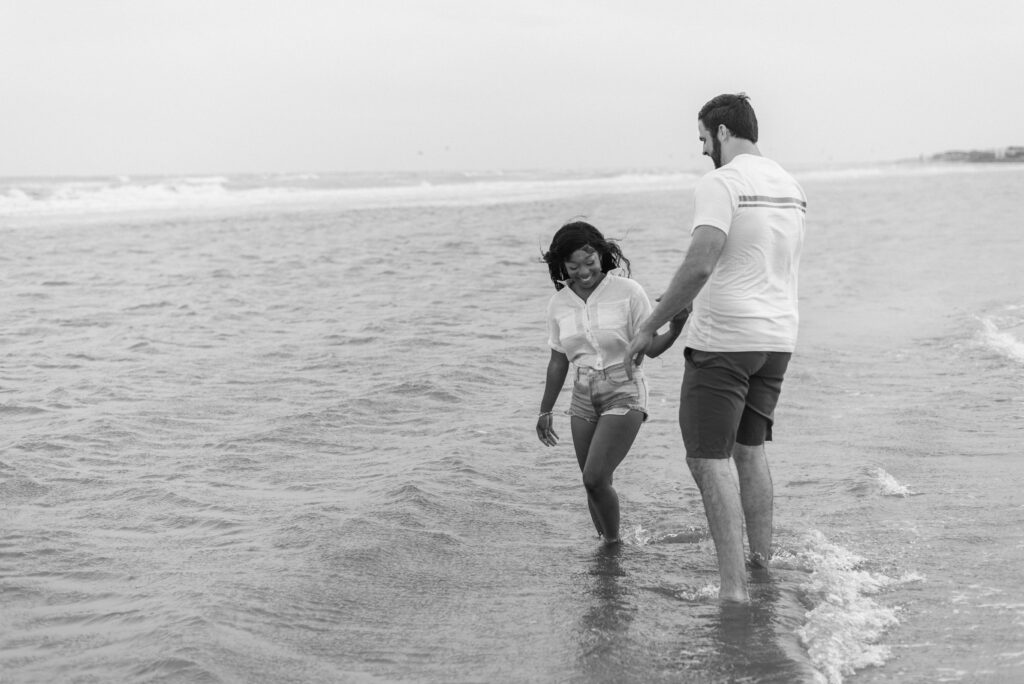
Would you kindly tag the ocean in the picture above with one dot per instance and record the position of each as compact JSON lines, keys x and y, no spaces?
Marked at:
{"x":280,"y":428}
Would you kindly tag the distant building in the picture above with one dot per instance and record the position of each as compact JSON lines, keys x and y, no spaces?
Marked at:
{"x":1001,"y":154}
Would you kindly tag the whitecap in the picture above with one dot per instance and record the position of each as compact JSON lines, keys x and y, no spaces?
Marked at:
{"x":217,"y":192}
{"x":889,"y":485}
{"x":844,"y":628}
{"x":638,"y":536}
{"x":1003,"y":343}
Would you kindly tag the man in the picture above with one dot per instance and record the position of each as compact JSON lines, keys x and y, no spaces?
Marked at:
{"x":740,"y":275}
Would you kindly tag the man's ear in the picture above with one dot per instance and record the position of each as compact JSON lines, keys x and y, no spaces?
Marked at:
{"x":723,"y":133}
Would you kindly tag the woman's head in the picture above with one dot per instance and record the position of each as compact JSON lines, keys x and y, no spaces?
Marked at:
{"x":581,"y":236}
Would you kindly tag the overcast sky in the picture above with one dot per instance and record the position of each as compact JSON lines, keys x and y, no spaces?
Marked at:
{"x":220,"y":86}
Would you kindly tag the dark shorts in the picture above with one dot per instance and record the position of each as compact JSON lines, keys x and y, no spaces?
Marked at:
{"x":729,"y":397}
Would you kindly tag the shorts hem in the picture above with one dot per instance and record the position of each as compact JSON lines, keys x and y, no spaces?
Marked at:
{"x":709,"y":458}
{"x":609,"y":412}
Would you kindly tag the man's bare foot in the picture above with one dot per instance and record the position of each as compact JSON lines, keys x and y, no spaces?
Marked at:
{"x":734,"y":596}
{"x":758,"y":561}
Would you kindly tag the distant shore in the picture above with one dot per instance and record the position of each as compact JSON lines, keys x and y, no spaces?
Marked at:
{"x":998,"y":155}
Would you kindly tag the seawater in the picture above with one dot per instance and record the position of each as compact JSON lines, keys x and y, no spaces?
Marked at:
{"x":280,"y":428}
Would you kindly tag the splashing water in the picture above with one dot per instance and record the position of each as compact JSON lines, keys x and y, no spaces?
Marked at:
{"x":1004,"y":343}
{"x":889,"y":485}
{"x":843,"y":630}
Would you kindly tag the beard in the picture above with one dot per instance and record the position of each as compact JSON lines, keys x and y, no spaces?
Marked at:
{"x":716,"y":152}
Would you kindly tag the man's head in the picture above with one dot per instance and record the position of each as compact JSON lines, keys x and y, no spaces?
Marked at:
{"x":726,"y":116}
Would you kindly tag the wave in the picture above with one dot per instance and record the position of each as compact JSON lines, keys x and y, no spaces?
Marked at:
{"x":844,"y":628}
{"x":900,"y":169}
{"x":1000,"y":341}
{"x":27,"y":198}
{"x":889,"y":485}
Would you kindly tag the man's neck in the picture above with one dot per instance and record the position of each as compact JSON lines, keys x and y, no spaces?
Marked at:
{"x":737,"y":146}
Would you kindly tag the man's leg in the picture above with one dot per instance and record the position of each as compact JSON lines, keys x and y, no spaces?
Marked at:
{"x":756,"y":495}
{"x":721,"y":497}
{"x":754,"y":430}
{"x":712,"y":401}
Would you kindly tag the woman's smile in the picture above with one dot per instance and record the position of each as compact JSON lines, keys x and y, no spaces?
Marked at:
{"x":584,"y":268}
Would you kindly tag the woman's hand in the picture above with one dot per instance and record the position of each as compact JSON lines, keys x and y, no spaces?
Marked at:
{"x":546,"y":429}
{"x":638,"y":347}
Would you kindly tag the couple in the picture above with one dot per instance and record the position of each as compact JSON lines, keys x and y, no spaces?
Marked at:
{"x":739,"y":278}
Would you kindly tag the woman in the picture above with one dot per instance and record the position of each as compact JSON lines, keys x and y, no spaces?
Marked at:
{"x":592,"y":316}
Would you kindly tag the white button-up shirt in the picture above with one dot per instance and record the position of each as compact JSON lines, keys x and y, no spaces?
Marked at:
{"x":595,"y":333}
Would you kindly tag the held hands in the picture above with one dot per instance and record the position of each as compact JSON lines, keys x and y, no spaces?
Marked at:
{"x":648,"y":343}
{"x":637,"y":349}
{"x":546,"y":429}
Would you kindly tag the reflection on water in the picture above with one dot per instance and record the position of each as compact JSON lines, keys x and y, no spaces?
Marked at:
{"x":624,"y":634}
{"x":758,"y":639}
{"x":604,"y":626}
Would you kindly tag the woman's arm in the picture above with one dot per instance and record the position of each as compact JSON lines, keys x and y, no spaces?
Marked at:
{"x":558,"y":368}
{"x":663,"y":341}
{"x":701,"y":258}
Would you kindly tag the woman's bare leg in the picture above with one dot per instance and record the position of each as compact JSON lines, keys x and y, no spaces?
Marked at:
{"x":582,"y":435}
{"x":610,"y":442}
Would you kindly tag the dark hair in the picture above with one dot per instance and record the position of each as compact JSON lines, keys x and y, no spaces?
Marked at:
{"x":578,"y":235}
{"x":732,"y":110}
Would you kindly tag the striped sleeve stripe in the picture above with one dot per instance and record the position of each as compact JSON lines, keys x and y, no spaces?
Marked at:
{"x":775,"y":202}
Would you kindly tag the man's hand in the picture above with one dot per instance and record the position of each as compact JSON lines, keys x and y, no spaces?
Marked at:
{"x":637,"y":348}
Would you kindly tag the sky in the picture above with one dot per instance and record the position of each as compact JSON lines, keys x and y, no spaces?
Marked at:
{"x":236,"y":86}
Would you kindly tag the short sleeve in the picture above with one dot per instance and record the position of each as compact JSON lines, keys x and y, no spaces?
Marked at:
{"x":554,"y":334}
{"x":639,"y":309}
{"x":713,"y":203}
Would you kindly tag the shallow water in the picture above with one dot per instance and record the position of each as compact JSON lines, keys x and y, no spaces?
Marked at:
{"x":289,"y":437}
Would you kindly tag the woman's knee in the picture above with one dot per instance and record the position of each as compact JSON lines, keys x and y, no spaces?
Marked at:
{"x":595,"y":481}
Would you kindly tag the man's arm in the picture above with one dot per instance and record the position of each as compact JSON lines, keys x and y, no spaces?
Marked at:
{"x":701,"y":258}
{"x":663,"y":341}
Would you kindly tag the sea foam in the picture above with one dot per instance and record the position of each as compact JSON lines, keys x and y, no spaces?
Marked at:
{"x":1000,"y":341}
{"x":123,"y":194}
{"x":843,"y":630}
{"x":889,"y":485}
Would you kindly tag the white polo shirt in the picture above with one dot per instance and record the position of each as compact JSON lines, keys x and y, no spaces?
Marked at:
{"x":596,"y":333}
{"x":750,"y":301}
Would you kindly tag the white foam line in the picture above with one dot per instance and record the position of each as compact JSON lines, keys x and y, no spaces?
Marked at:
{"x":211,"y":192}
{"x":1001,"y":342}
{"x":844,"y":629}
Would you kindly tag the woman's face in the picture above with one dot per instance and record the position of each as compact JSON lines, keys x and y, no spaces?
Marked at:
{"x":584,"y":268}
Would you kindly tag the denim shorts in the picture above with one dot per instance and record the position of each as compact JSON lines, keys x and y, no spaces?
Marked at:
{"x":607,"y":392}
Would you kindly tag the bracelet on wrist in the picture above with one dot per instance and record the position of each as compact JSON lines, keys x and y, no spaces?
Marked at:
{"x":544,"y":413}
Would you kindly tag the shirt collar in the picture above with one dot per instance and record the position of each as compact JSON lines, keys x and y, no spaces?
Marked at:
{"x":619,"y":271}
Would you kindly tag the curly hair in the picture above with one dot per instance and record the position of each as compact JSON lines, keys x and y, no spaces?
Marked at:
{"x":580,"y":235}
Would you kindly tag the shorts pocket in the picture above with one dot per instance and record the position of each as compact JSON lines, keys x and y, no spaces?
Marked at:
{"x":696,"y":357}
{"x":617,"y":375}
